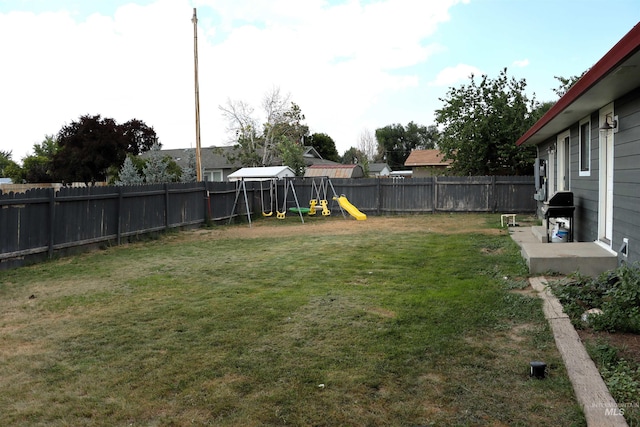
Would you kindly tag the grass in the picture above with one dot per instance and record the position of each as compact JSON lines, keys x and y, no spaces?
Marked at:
{"x":354,"y":325}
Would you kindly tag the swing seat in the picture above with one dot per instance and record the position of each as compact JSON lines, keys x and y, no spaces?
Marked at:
{"x":280,"y":215}
{"x":267,"y":214}
{"x":325,"y":209}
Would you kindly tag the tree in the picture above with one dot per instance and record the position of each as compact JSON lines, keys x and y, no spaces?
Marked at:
{"x":138,"y":136}
{"x":128,"y":174}
{"x":566,"y":83}
{"x":38,"y":167}
{"x":156,"y":169}
{"x":6,"y":162}
{"x":189,"y":171}
{"x":482,"y":121}
{"x":325,"y":146}
{"x":395,"y":142}
{"x":352,"y":156}
{"x":367,"y":144}
{"x":259,"y":148}
{"x":239,"y":115}
{"x":284,"y":121}
{"x":92,"y":145}
{"x":291,"y":154}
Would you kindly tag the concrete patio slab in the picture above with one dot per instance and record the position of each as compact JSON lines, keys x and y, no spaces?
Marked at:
{"x":587,"y":258}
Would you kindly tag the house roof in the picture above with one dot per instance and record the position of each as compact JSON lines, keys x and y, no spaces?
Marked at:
{"x":334,"y":171}
{"x":217,"y":157}
{"x":261,"y":173}
{"x":211,"y":157}
{"x":378,"y":167}
{"x":615,"y":74}
{"x":426,"y":158}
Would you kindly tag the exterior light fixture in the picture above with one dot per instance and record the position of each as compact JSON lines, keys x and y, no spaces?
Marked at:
{"x":613,"y":125}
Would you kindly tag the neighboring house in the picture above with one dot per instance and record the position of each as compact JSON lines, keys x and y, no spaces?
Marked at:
{"x":427,"y":163}
{"x":217,"y":167}
{"x":312,"y":157}
{"x":335,"y":170}
{"x":589,"y":144}
{"x":215,"y":163}
{"x":379,"y":169}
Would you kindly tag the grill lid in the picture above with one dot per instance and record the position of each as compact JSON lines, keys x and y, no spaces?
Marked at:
{"x":561,"y":198}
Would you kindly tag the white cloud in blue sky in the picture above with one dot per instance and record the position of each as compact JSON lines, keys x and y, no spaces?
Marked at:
{"x":351,"y":65}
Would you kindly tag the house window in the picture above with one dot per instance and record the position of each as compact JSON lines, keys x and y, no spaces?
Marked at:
{"x":212,"y":175}
{"x":585,"y":148}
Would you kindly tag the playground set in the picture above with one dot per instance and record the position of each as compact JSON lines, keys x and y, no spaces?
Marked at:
{"x":319,"y":202}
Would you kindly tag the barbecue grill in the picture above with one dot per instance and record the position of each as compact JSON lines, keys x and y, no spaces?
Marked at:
{"x":560,"y":206}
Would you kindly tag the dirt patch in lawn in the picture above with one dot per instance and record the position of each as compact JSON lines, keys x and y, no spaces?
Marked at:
{"x":336,"y":225}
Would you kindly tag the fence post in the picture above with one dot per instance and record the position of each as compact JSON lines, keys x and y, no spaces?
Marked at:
{"x":119,"y":232}
{"x":434,"y":192}
{"x":494,"y":201}
{"x":52,"y":220}
{"x":379,"y":185}
{"x":166,"y":206}
{"x":207,"y":207}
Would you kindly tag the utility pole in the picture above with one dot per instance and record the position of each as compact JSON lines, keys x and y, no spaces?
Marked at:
{"x":197,"y":88}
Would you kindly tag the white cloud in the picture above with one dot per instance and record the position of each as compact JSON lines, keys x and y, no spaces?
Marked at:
{"x":452,"y":75}
{"x":337,"y":61}
{"x":521,"y":63}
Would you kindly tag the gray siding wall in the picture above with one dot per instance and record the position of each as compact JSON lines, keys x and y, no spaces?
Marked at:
{"x":585,"y":188}
{"x":626,"y":187}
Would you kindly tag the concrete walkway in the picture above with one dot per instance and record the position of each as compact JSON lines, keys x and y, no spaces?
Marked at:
{"x":598,"y":406}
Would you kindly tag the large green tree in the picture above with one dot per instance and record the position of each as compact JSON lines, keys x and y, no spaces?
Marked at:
{"x":481,"y":122}
{"x":89,"y":147}
{"x":6,"y":164}
{"x":38,"y":167}
{"x":325,"y":146}
{"x":291,"y":154}
{"x":396,"y":141}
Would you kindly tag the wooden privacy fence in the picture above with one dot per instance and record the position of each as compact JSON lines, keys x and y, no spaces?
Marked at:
{"x":40,"y":222}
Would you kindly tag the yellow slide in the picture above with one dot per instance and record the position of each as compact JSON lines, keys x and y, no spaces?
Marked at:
{"x":353,"y":211}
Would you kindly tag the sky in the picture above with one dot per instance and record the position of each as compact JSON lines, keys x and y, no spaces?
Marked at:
{"x":351,"y":65}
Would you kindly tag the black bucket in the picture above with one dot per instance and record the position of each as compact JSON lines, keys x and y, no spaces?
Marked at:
{"x":538,"y":369}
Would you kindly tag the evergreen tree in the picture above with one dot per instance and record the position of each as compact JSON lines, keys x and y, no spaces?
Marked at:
{"x":189,"y":171}
{"x":155,"y":171}
{"x":129,"y":174}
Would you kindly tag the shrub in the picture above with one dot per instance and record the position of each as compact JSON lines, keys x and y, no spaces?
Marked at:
{"x":616,"y":293}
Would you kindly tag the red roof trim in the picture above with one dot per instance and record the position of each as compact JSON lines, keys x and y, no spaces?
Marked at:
{"x":626,"y":46}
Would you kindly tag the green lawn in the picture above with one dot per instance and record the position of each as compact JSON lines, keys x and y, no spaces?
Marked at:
{"x":378,"y":322}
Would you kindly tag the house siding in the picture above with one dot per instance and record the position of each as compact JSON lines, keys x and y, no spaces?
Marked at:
{"x":585,"y":188}
{"x":626,"y":194}
{"x":626,"y":200}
